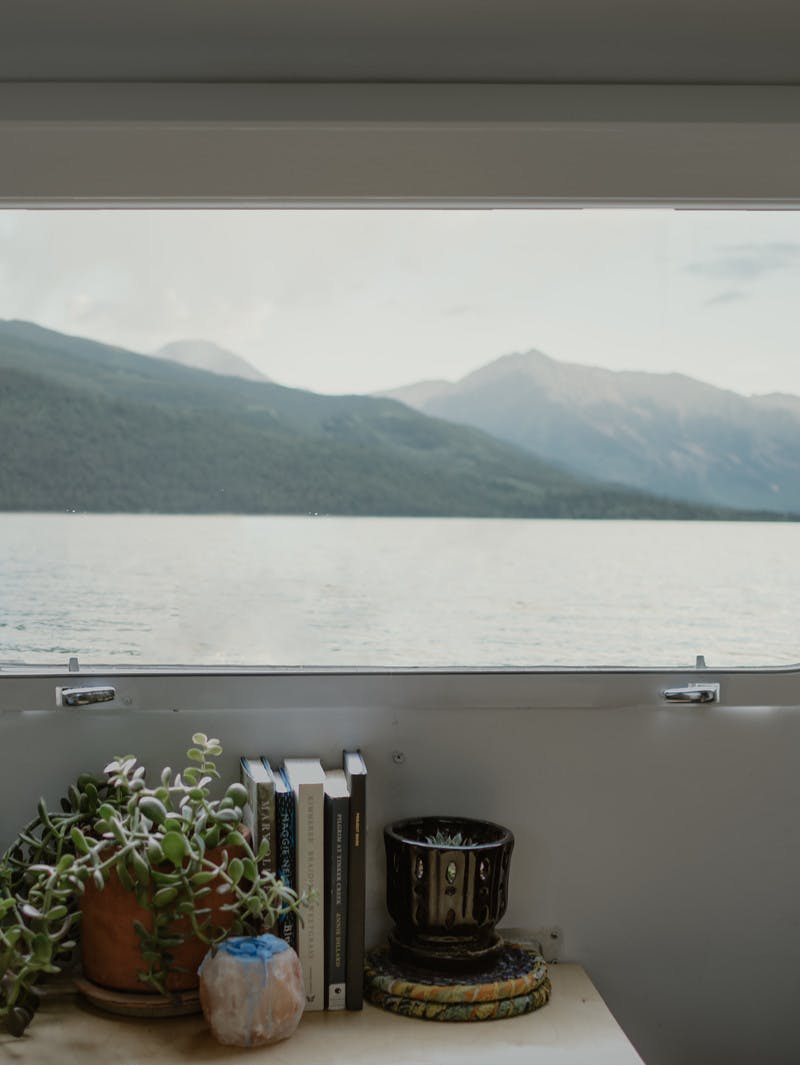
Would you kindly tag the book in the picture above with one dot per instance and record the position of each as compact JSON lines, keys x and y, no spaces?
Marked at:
{"x":259,"y":812}
{"x":337,"y":832}
{"x":355,"y":771}
{"x":307,"y":778}
{"x":285,"y":847}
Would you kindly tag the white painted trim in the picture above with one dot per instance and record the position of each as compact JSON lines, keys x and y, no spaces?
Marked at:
{"x":392,"y":145}
{"x":161,"y":690}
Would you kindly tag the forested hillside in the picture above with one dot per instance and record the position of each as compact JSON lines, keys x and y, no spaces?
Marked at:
{"x":89,"y":427}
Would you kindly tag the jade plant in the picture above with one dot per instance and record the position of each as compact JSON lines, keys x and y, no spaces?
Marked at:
{"x":157,"y":840}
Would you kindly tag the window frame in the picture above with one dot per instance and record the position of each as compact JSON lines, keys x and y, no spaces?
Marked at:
{"x":365,"y":146}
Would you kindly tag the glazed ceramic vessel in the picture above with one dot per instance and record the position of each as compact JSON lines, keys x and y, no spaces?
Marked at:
{"x":446,"y":889}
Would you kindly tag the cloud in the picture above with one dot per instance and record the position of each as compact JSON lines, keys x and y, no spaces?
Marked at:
{"x":746,"y":262}
{"x":727,"y":296}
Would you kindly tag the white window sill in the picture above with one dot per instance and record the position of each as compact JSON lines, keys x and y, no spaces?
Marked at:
{"x":575,"y":1027}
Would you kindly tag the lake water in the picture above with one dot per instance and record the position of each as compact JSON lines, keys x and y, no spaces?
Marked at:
{"x":143,"y":589}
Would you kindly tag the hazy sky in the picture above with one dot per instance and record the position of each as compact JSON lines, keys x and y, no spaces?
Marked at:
{"x":355,"y":301}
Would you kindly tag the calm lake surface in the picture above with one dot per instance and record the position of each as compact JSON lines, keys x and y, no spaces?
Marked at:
{"x":143,"y":589}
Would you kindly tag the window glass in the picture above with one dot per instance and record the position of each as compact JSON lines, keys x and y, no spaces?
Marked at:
{"x":399,"y":438}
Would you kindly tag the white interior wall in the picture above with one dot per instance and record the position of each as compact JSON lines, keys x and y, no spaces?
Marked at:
{"x":661,"y":839}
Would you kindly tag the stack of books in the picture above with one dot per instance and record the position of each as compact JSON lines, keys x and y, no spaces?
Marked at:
{"x":315,"y":822}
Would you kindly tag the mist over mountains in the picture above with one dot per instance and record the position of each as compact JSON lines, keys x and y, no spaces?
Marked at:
{"x":205,"y":355}
{"x":92,"y":427}
{"x":663,"y":433}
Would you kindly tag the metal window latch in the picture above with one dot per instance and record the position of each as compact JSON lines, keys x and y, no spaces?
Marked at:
{"x":699,"y":693}
{"x":90,"y":694}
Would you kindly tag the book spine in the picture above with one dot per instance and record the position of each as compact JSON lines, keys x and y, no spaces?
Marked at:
{"x":285,"y":829}
{"x":356,"y":902}
{"x":311,"y":874}
{"x":337,"y":830}
{"x":265,"y":821}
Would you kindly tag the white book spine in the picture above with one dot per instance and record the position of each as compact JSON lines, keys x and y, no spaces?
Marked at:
{"x":311,"y":873}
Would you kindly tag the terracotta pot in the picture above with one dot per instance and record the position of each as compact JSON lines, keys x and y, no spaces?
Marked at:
{"x":109,"y":944}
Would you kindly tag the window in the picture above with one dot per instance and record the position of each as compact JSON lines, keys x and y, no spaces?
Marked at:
{"x":399,"y":439}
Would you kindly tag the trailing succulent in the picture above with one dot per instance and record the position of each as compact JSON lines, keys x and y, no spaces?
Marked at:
{"x":157,"y":841}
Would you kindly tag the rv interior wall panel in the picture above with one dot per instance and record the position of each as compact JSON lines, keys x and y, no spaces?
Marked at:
{"x":661,"y":839}
{"x":398,"y":144}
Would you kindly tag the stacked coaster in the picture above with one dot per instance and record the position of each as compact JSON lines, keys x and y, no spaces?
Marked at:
{"x":515,"y":983}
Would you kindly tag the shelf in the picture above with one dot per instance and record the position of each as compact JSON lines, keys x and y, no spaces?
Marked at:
{"x":575,"y":1027}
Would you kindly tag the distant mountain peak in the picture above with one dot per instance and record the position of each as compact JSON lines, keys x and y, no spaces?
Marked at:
{"x":208,"y":356}
{"x":665,"y":433}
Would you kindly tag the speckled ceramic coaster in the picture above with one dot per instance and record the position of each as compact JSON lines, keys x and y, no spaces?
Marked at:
{"x":515,"y":983}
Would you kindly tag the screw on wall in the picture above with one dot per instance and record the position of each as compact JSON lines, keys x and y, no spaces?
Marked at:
{"x":398,"y":757}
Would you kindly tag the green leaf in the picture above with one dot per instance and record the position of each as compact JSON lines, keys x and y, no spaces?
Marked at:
{"x":79,"y":841}
{"x":199,"y":739}
{"x":174,"y":846}
{"x":250,"y":870}
{"x":235,"y":871}
{"x":236,"y":838}
{"x":237,"y":793}
{"x":165,"y":896}
{"x":123,"y":875}
{"x":56,"y":913}
{"x":117,"y":830}
{"x":140,"y":868}
{"x":154,"y":853}
{"x":196,"y":755}
{"x":140,"y":930}
{"x":42,"y":948}
{"x":65,"y":863}
{"x":153,"y":809}
{"x":203,"y":878}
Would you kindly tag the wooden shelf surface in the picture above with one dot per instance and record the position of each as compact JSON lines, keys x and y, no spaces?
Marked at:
{"x":575,"y":1027}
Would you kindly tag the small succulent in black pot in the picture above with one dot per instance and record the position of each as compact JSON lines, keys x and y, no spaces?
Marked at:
{"x":446,"y":889}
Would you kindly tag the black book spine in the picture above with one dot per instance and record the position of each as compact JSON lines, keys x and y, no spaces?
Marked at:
{"x":285,"y":828}
{"x":337,"y":833}
{"x":357,"y":880}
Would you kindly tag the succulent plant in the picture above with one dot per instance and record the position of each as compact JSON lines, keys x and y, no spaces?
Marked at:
{"x":157,"y":840}
{"x":445,"y":840}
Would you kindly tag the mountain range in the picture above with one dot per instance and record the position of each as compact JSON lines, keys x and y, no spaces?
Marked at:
{"x":205,"y":355}
{"x":663,"y":433}
{"x":91,"y":427}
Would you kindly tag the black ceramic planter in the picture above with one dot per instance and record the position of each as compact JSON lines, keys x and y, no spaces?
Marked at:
{"x":446,"y":899}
